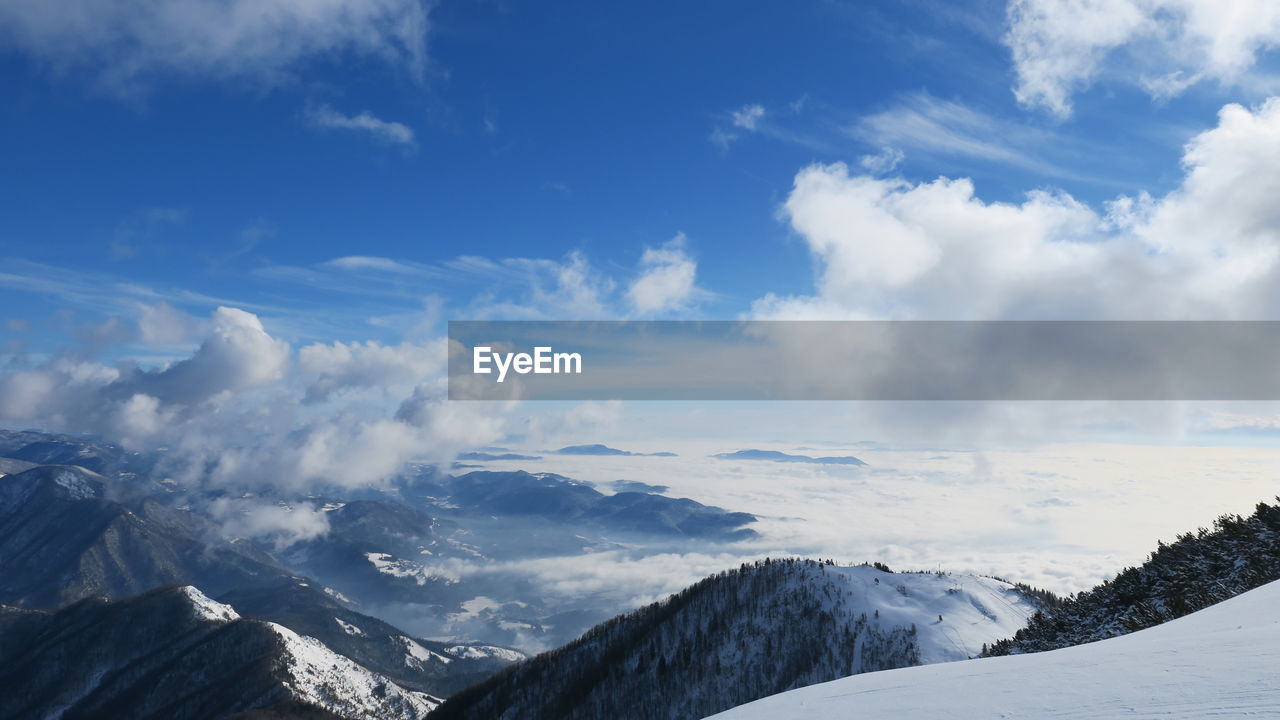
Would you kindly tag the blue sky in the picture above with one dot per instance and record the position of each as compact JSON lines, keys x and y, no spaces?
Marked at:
{"x":536,"y":131}
{"x":361,"y":172}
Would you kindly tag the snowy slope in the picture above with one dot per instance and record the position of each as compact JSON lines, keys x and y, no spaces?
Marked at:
{"x":1221,"y":662}
{"x":320,"y":677}
{"x":974,"y":610}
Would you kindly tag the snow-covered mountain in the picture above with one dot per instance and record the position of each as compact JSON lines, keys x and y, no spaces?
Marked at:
{"x":1216,"y":663}
{"x":436,"y":668}
{"x":748,"y":633}
{"x":173,"y":653}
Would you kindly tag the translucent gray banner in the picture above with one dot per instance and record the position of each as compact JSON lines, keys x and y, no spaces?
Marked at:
{"x":864,"y":360}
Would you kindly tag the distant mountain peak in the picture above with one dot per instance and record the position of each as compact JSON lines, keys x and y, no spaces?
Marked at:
{"x":592,"y":449}
{"x":776,"y":456}
{"x":600,"y":449}
{"x":206,"y":608}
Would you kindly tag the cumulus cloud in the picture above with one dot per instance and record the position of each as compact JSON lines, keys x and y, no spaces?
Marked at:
{"x":340,"y":366}
{"x":666,"y":280}
{"x":384,"y":131}
{"x":234,"y":413}
{"x":238,"y":354}
{"x":262,"y":40}
{"x":1059,"y":47}
{"x":896,"y":249}
{"x":452,"y":426}
{"x":126,"y":401}
{"x":163,"y":324}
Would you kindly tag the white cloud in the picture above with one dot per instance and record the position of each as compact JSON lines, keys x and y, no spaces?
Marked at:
{"x":1208,"y":249}
{"x":722,"y":138}
{"x":514,"y":288}
{"x":341,"y":366}
{"x":924,"y":123}
{"x":666,"y":280}
{"x":280,"y":525}
{"x":594,"y":420}
{"x":390,"y":133}
{"x":234,"y":412}
{"x":126,"y":44}
{"x":883,"y":162}
{"x":452,"y":426}
{"x":748,"y":116}
{"x":238,"y":354}
{"x":1061,"y":46}
{"x":163,"y":324}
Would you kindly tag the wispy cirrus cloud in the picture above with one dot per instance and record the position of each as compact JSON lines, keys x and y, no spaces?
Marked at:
{"x":927,"y":124}
{"x":366,"y":123}
{"x":98,"y":291}
{"x":515,"y":288}
{"x":125,"y":48}
{"x":756,"y":119}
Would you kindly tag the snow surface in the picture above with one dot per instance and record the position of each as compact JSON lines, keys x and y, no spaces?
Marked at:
{"x":206,"y":609}
{"x":389,"y":565}
{"x":324,"y":678}
{"x":75,"y":484}
{"x":482,"y":652}
{"x":348,"y":628}
{"x":418,"y":656}
{"x":1218,"y":663}
{"x":338,"y":596}
{"x":974,"y":610}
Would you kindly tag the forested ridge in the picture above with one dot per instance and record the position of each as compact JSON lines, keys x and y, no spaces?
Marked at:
{"x":1195,"y":571}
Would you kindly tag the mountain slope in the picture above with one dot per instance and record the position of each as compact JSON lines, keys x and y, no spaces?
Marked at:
{"x":63,"y":538}
{"x":1216,"y":663}
{"x":174,"y":654}
{"x":1198,"y":570}
{"x":748,"y":633}
{"x":435,"y":668}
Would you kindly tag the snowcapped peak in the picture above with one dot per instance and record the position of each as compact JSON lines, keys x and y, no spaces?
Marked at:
{"x":206,"y":609}
{"x":483,"y":652}
{"x":319,"y":676}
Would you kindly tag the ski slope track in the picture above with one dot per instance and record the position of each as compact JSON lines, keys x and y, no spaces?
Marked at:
{"x":1221,"y":662}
